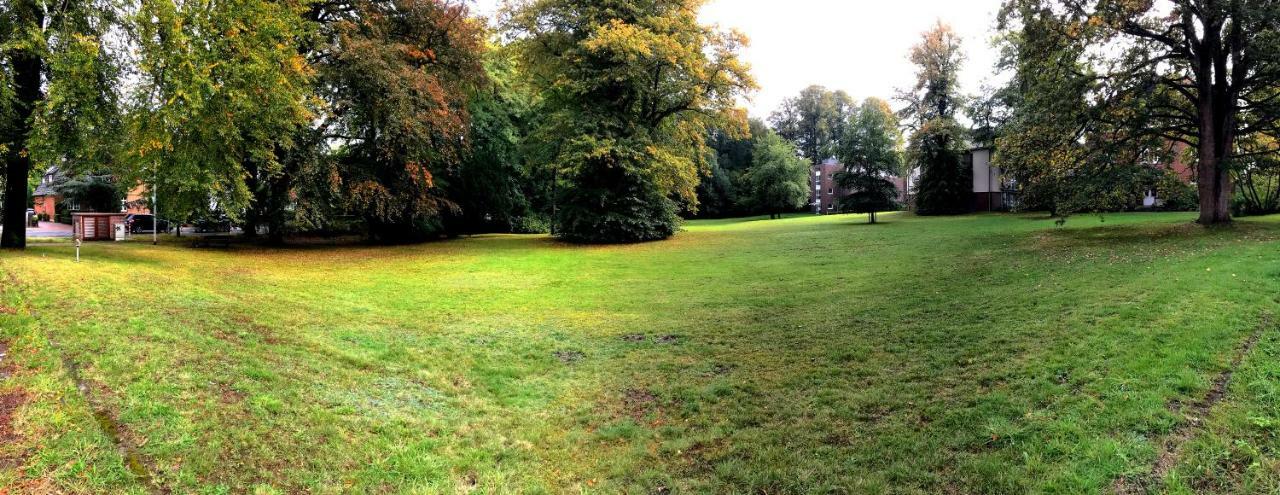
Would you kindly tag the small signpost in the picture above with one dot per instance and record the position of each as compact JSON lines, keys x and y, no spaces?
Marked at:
{"x":77,"y":248}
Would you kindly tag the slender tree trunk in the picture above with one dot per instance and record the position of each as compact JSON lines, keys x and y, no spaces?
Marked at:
{"x":26,"y":70}
{"x":276,"y":217}
{"x":253,"y":214}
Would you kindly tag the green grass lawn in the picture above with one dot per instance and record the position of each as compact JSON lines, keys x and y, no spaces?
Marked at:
{"x":978,"y":354}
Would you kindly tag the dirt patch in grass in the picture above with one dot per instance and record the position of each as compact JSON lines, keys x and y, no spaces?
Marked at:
{"x":638,"y":402}
{"x":634,"y":337}
{"x":667,"y":339}
{"x":229,"y":395}
{"x":30,"y":487}
{"x":719,"y":369}
{"x":569,"y":356}
{"x":1170,"y":450}
{"x":10,"y":401}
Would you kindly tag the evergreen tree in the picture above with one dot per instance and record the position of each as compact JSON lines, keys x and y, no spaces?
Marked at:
{"x":872,"y":156}
{"x":946,"y":184}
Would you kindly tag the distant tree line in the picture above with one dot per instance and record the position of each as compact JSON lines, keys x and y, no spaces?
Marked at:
{"x":608,"y":120}
{"x":399,"y":119}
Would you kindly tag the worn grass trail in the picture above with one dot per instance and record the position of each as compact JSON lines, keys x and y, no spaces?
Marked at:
{"x":980,"y":354}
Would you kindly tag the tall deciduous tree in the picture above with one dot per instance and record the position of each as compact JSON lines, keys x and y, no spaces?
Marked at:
{"x":938,"y":141}
{"x":815,"y":120}
{"x":872,"y":155}
{"x":778,"y":180}
{"x":721,"y":193}
{"x":222,"y":88}
{"x":397,"y":83}
{"x":57,"y":95}
{"x":492,"y":187}
{"x":1200,"y":72}
{"x":1065,"y":153}
{"x":630,"y":88}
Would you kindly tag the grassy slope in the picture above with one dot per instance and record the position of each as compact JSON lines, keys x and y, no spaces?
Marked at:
{"x":990,"y":354}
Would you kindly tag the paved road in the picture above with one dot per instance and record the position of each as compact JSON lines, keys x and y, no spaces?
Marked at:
{"x":48,"y":230}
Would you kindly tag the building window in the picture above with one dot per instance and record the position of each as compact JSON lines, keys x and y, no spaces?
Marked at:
{"x":831,"y":191}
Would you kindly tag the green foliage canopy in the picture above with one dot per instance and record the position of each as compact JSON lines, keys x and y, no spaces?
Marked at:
{"x":1201,"y":73}
{"x":872,"y":154}
{"x":221,"y":84}
{"x":816,"y":120}
{"x":630,"y":89}
{"x":778,"y":180}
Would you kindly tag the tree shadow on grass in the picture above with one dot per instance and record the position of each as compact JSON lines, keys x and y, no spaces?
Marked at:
{"x":1155,"y":234}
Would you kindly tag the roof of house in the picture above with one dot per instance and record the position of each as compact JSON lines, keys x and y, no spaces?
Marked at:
{"x":45,"y":190}
{"x":49,"y":187}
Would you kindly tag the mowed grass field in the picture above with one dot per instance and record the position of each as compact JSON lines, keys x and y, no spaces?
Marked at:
{"x":976,"y":354}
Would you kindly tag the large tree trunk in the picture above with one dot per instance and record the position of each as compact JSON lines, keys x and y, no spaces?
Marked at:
{"x":17,"y":166}
{"x":26,"y":69}
{"x":1217,"y":127}
{"x":1217,"y":142}
{"x":1214,"y":183}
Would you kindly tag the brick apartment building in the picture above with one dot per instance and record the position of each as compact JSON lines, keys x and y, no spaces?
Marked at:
{"x":825,"y":194}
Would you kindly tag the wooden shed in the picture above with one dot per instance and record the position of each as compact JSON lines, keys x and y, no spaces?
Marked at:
{"x":96,"y":226}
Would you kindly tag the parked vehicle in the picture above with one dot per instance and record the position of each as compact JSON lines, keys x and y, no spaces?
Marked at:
{"x":139,"y":223}
{"x":213,"y":225}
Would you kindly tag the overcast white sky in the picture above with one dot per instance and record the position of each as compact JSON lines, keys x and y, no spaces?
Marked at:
{"x":859,"y":46}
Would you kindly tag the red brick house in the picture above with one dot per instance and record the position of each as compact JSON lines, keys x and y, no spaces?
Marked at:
{"x":1185,"y":171}
{"x":48,"y":201}
{"x":46,"y":194}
